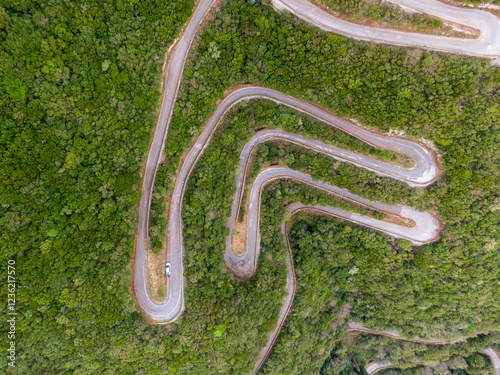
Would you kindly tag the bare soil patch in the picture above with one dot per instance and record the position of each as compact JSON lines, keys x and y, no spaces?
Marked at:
{"x":398,"y":220}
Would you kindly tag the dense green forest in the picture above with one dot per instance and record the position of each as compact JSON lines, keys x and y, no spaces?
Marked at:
{"x":360,"y":262}
{"x":452,"y":100}
{"x":357,"y":349}
{"x":80,"y":89}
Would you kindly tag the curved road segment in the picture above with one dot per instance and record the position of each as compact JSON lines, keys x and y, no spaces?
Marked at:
{"x":291,"y":287}
{"x":488,"y":45}
{"x":375,"y":367}
{"x":426,"y":227}
{"x":423,"y":173}
{"x":174,"y":69}
{"x":494,"y":358}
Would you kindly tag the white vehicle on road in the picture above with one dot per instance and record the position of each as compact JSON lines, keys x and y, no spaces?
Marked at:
{"x":168,"y":269}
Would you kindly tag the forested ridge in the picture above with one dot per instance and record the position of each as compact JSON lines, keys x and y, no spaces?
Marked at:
{"x":74,"y":140}
{"x":371,"y":263}
{"x":79,"y":89}
{"x":448,"y":99}
{"x":378,"y":13}
{"x":440,"y":359}
{"x":266,"y":115}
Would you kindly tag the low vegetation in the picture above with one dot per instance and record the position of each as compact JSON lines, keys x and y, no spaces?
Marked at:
{"x":384,"y":14}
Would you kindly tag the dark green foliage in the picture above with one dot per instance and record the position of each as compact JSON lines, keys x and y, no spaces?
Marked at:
{"x":79,"y":87}
{"x":390,"y":291}
{"x":426,"y":94}
{"x":357,"y":348}
{"x":369,"y":274}
{"x":452,"y":100}
{"x":256,"y":116}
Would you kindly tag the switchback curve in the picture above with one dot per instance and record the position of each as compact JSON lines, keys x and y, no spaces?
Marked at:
{"x":291,"y":287}
{"x":375,"y":367}
{"x":422,"y":174}
{"x":488,"y":47}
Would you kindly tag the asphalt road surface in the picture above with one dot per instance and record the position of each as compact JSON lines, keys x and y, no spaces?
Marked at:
{"x":494,"y":358}
{"x":426,"y":227}
{"x":422,"y":174}
{"x":487,"y":45}
{"x":375,"y":367}
{"x":174,"y":304}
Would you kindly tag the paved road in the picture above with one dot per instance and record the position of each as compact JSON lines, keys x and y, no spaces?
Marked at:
{"x":356,"y":326}
{"x":291,"y":287}
{"x":426,"y":227}
{"x":422,"y":174}
{"x":174,"y":304}
{"x":372,"y":368}
{"x":487,"y":45}
{"x":375,"y":367}
{"x":291,"y":283}
{"x":172,"y":307}
{"x":494,"y":358}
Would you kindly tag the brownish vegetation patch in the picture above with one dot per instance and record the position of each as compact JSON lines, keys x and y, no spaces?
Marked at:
{"x":393,"y":219}
{"x":447,"y":28}
{"x":156,"y":273}
{"x":486,"y":6}
{"x":239,"y":238}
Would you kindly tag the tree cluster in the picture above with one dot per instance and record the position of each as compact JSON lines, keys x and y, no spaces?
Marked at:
{"x":79,"y":88}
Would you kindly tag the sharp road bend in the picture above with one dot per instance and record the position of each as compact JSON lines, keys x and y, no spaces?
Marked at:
{"x":375,"y":367}
{"x":487,"y":45}
{"x":423,"y":173}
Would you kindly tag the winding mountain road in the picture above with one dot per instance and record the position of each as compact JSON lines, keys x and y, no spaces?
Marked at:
{"x":291,"y":287}
{"x":487,"y":45}
{"x":494,"y":358}
{"x":375,"y":367}
{"x":424,"y":172}
{"x":426,"y":227}
{"x":170,"y":310}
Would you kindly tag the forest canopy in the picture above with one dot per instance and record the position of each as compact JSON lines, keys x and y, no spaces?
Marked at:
{"x":80,"y":87}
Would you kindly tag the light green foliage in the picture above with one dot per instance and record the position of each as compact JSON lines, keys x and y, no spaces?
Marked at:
{"x":379,"y":287}
{"x":255,"y":116}
{"x":388,"y":14}
{"x":79,"y":87}
{"x":74,"y":137}
{"x":14,"y":88}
